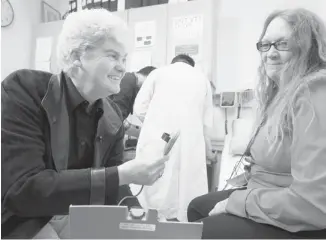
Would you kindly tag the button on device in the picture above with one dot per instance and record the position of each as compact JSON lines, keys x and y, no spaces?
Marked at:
{"x":137,"y":213}
{"x":166,"y":137}
{"x":169,"y":141}
{"x":99,"y":138}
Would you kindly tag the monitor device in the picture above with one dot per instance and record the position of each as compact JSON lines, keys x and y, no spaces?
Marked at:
{"x":228,"y":99}
{"x":105,"y":222}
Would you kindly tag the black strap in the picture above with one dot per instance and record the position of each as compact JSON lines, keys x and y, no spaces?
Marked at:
{"x":97,"y":186}
{"x":238,"y":111}
{"x":247,"y":151}
{"x":226,"y":121}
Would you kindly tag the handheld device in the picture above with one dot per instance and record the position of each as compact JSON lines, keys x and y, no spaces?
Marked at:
{"x":170,"y":141}
{"x":228,"y":99}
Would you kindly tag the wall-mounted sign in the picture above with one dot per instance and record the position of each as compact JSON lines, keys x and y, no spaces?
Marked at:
{"x":145,"y":34}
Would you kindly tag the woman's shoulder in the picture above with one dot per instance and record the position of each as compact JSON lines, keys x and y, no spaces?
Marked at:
{"x":313,"y":95}
{"x":316,"y":81}
{"x":313,"y":87}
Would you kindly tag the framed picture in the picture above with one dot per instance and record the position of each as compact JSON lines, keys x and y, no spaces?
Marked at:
{"x":228,"y":99}
{"x":216,"y":99}
{"x":49,"y":14}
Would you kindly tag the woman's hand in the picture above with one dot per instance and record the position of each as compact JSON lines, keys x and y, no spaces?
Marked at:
{"x":141,"y":172}
{"x":211,"y":157}
{"x":219,"y":208}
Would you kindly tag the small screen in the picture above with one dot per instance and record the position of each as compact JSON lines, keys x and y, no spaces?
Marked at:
{"x":227,"y":99}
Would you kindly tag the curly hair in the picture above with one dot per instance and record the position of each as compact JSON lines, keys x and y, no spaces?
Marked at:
{"x":85,"y":30}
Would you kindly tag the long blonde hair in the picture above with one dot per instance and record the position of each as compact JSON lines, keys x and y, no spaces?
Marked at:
{"x":276,"y":101}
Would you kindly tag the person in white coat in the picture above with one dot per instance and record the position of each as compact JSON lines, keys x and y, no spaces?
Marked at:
{"x":175,"y":98}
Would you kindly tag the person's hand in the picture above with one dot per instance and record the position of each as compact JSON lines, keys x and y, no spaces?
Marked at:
{"x":126,"y":124}
{"x":141,"y":172}
{"x":211,"y":157}
{"x":219,"y":208}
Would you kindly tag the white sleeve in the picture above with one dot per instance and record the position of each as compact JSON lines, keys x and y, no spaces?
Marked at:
{"x":208,"y":106}
{"x":144,"y":96}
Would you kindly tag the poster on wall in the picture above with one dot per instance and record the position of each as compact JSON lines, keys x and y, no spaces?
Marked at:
{"x":145,"y":34}
{"x":190,"y":49}
{"x":43,"y":49}
{"x":43,"y":53}
{"x":187,"y":34}
{"x":187,"y":27}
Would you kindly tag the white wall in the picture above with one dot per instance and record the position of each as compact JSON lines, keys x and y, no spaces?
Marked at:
{"x":16,"y":40}
{"x":239,"y":23}
{"x":239,"y":26}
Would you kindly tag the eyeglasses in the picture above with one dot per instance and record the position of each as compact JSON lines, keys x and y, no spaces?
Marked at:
{"x":279,"y":45}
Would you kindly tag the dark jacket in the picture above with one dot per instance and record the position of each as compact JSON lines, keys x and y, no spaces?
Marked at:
{"x":36,"y":183}
{"x":125,"y":99}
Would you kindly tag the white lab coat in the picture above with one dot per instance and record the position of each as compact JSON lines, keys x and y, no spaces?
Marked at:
{"x":175,"y":97}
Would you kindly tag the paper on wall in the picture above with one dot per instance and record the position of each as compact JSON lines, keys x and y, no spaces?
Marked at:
{"x":43,"y":49}
{"x":187,"y":27}
{"x":193,"y":51}
{"x":145,"y":34}
{"x":187,"y":38}
{"x":140,"y":59}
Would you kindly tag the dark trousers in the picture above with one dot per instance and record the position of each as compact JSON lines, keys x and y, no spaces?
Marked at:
{"x":229,"y":226}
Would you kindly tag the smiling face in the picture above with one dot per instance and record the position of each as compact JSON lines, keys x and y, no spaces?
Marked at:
{"x":101,"y":70}
{"x":273,"y":59}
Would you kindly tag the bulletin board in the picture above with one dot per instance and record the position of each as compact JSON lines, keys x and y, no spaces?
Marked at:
{"x":149,"y":30}
{"x":190,"y":31}
{"x":158,"y":33}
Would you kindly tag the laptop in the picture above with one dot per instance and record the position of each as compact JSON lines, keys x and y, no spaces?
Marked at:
{"x":105,"y":222}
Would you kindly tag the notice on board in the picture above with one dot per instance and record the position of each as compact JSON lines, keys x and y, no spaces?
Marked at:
{"x":43,"y":49}
{"x":187,"y":27}
{"x":190,"y":49}
{"x":145,"y":34}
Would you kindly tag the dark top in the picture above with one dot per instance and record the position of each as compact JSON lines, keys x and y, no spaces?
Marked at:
{"x":126,"y":97}
{"x":40,"y":177}
{"x":83,"y":126}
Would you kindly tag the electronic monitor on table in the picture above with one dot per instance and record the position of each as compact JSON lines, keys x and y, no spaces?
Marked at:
{"x":99,"y":222}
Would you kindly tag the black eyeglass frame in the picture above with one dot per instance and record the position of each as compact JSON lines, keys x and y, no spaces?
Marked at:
{"x":270,"y":45}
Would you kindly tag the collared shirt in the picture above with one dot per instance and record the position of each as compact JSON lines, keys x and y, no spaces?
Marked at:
{"x":83,"y":126}
{"x":126,"y":97}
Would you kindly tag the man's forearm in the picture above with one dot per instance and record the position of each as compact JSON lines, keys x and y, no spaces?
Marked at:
{"x":49,"y":193}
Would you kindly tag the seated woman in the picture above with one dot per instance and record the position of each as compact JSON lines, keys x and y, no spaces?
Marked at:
{"x":285,"y":193}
